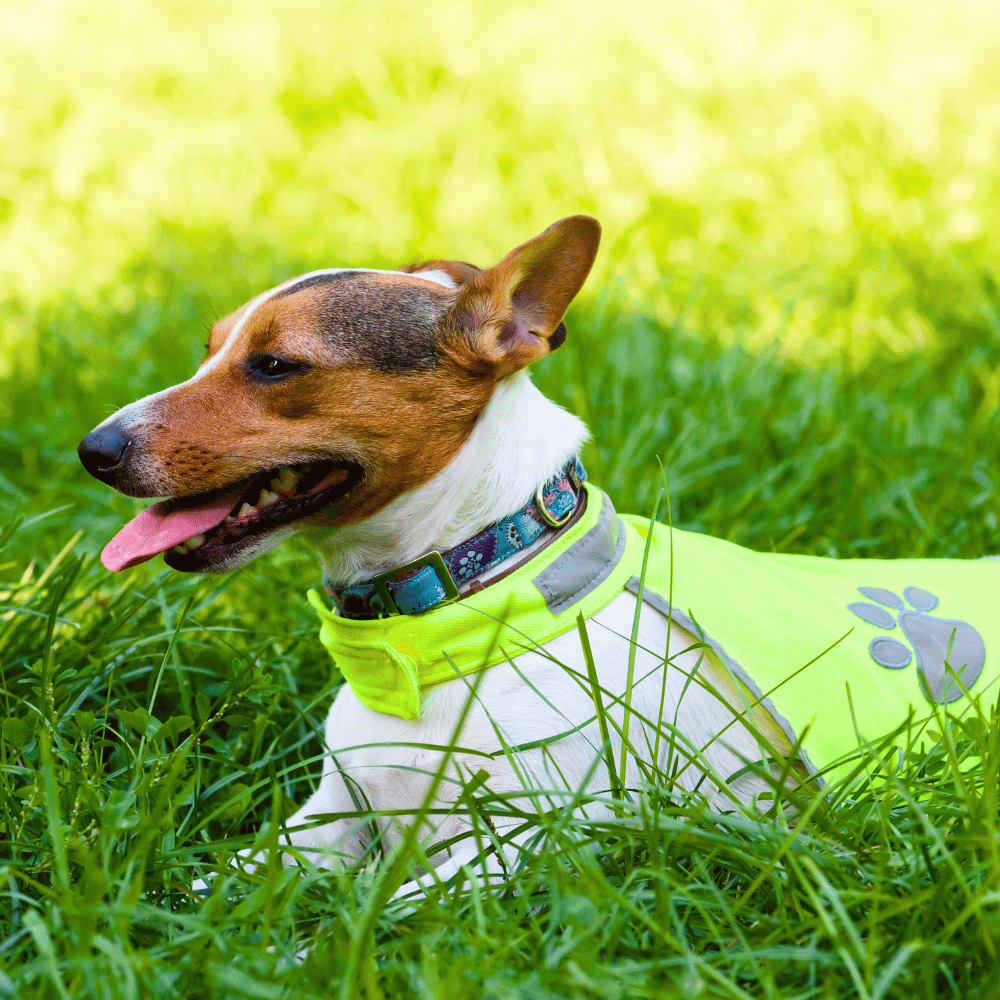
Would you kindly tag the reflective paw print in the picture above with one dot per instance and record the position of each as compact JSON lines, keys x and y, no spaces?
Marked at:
{"x":930,"y":637}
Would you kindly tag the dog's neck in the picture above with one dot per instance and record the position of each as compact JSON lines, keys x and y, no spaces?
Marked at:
{"x":519,"y":441}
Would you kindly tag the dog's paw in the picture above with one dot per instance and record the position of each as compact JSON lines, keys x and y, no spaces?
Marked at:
{"x":939,"y":643}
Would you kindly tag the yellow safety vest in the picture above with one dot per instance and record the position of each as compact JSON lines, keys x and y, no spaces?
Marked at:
{"x":904,"y":633}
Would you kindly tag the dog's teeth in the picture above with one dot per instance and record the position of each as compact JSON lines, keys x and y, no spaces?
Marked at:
{"x":284,"y":481}
{"x":247,"y":511}
{"x":267,"y":498}
{"x":195,"y":541}
{"x":180,"y":548}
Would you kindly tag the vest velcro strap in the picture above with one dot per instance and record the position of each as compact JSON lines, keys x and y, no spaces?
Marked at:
{"x":383,"y":676}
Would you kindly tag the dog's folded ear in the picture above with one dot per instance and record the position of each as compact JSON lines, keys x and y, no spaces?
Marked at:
{"x":511,"y":314}
{"x":456,"y":271}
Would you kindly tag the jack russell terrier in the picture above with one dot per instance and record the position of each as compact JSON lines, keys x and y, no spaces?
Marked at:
{"x":388,"y":418}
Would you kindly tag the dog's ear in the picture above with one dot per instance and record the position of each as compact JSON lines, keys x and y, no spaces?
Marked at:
{"x":458,"y":271}
{"x":511,"y":314}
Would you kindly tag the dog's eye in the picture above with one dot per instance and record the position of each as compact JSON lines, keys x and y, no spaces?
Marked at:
{"x":268,"y":368}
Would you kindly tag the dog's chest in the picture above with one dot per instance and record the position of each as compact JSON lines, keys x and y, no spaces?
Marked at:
{"x":532,"y":721}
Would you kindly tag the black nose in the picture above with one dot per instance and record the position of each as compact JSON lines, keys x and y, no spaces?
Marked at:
{"x":101,"y":452}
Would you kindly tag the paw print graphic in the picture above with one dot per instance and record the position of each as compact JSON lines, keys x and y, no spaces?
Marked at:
{"x":935,"y":641}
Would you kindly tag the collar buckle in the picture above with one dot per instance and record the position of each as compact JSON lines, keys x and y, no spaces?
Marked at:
{"x":431,"y":559}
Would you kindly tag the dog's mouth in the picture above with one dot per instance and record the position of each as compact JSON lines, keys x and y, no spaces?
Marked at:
{"x":205,"y":531}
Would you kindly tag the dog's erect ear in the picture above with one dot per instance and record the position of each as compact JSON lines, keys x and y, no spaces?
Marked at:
{"x":511,"y":314}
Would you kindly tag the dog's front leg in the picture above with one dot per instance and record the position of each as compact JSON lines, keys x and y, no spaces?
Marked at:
{"x":306,"y":836}
{"x":336,"y":825}
{"x":482,"y":861}
{"x":333,"y":842}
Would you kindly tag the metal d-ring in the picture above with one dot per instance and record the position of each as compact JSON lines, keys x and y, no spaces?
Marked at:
{"x":543,"y":510}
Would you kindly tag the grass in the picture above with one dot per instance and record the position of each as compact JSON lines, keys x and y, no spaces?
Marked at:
{"x":796,"y":311}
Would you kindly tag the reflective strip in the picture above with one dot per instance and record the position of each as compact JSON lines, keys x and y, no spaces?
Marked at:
{"x":663,"y":606}
{"x":585,"y":565}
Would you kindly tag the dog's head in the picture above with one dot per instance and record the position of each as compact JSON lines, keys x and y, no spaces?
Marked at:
{"x":325,"y":398}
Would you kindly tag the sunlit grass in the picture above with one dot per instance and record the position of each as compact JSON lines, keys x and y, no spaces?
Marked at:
{"x":795,"y":310}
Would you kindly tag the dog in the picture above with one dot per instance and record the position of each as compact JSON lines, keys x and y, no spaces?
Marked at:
{"x":492,"y":614}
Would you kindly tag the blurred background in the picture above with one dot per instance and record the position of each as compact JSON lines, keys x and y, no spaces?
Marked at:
{"x":794,"y":308}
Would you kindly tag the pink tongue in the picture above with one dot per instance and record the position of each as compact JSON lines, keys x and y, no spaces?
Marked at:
{"x":159,"y":527}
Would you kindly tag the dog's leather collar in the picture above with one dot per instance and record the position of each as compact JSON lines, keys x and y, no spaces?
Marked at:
{"x":438,"y":576}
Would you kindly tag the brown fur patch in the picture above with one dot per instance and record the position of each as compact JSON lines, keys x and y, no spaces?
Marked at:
{"x":402,"y":429}
{"x":388,"y":322}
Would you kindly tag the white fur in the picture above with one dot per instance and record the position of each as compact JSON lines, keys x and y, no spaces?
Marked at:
{"x":438,"y":276}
